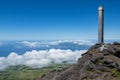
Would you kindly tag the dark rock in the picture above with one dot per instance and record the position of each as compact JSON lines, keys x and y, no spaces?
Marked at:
{"x":116,"y":43}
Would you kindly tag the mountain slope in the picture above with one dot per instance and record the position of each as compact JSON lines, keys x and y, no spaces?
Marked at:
{"x":22,"y":72}
{"x":101,"y":62}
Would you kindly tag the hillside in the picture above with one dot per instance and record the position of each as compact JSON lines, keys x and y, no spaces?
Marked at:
{"x":100,"y":62}
{"x":22,"y":72}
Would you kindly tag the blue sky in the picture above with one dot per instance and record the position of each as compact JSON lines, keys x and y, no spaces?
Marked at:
{"x":57,"y":19}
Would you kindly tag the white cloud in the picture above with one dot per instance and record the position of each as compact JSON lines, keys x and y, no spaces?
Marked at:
{"x":39,"y":59}
{"x":48,"y":43}
{"x":30,"y":44}
{"x":79,"y":42}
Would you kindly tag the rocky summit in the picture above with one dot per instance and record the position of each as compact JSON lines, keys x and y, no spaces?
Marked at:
{"x":100,"y":62}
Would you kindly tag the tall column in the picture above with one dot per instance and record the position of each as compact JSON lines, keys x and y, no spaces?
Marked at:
{"x":101,"y":25}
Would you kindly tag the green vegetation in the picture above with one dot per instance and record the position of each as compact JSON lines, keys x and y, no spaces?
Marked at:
{"x":89,"y":69}
{"x":115,"y":73}
{"x":22,"y":72}
{"x":99,"y":62}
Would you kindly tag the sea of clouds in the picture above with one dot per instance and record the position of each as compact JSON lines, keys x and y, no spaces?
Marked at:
{"x":38,"y":58}
{"x":41,"y":58}
{"x":49,"y":43}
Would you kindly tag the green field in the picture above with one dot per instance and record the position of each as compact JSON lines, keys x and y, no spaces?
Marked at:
{"x":22,"y":72}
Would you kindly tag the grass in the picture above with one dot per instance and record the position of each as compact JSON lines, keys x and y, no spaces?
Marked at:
{"x":22,"y":72}
{"x":115,"y":73}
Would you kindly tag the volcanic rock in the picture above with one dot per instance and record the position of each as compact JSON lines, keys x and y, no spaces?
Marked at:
{"x":100,"y":62}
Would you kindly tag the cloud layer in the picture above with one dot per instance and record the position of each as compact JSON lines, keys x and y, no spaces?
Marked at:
{"x":49,"y":43}
{"x":30,"y":44}
{"x":41,"y":58}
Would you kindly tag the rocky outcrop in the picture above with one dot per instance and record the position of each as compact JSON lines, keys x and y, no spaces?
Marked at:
{"x":100,"y":62}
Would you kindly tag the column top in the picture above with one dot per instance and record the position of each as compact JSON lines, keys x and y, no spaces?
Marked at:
{"x":101,"y":8}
